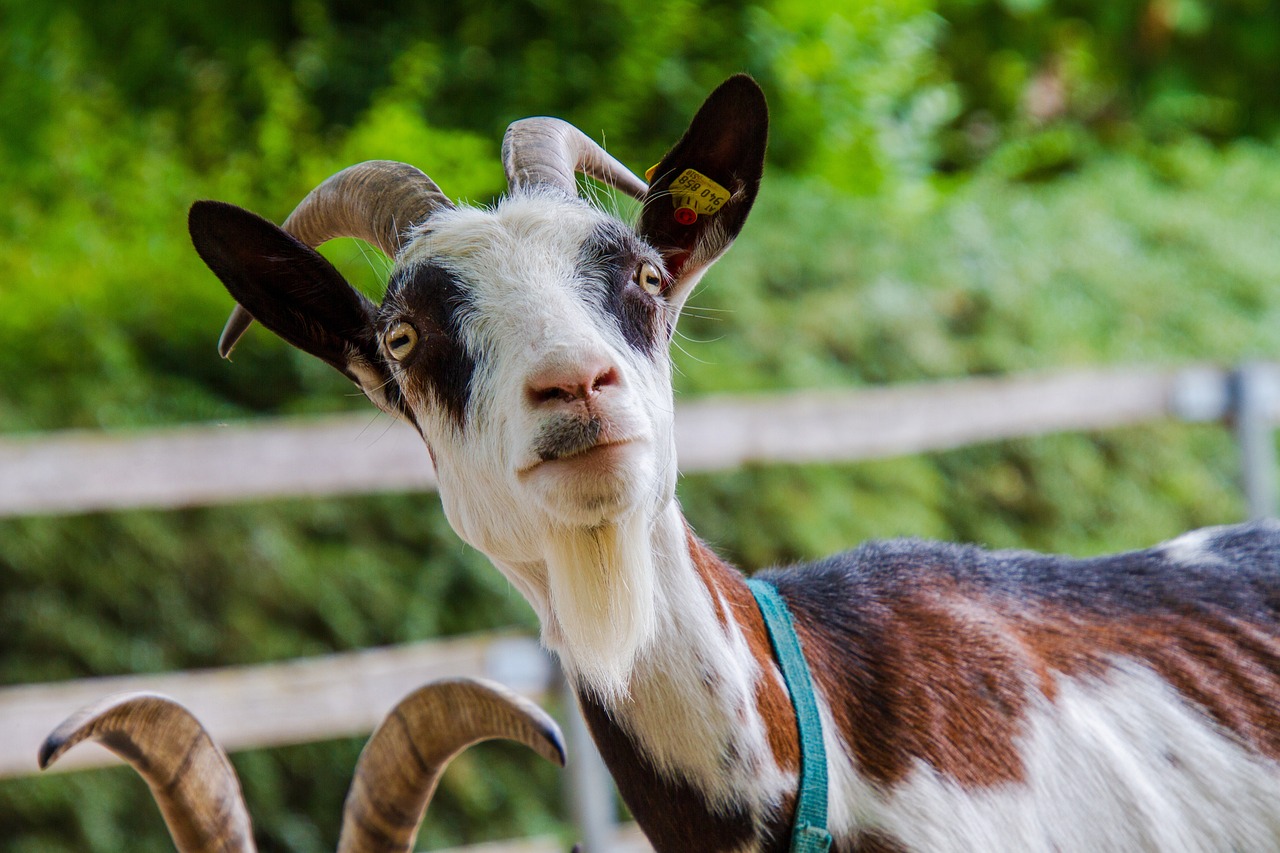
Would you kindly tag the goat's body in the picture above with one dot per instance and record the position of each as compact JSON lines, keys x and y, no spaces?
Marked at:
{"x":986,"y":701}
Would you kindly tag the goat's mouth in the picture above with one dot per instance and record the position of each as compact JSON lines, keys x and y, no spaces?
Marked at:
{"x":590,"y":485}
{"x":574,"y":439}
{"x":602,"y":452}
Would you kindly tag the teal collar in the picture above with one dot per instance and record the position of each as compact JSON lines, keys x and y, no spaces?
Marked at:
{"x":809,"y":835}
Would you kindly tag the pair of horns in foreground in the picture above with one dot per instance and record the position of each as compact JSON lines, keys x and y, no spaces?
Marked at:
{"x":199,"y":795}
{"x":380,"y":201}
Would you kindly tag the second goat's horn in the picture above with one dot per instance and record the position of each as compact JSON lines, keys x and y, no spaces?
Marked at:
{"x":402,"y":762}
{"x":189,"y":775}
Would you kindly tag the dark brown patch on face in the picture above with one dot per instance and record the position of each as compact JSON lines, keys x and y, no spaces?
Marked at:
{"x":610,"y":258}
{"x":440,"y":368}
{"x":567,"y":435}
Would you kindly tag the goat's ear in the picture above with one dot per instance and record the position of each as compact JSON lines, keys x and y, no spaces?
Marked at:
{"x":701,"y":192}
{"x":291,"y":289}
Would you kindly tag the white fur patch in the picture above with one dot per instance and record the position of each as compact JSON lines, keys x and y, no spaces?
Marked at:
{"x":1191,"y":548}
{"x":1121,"y":764}
{"x":601,"y":581}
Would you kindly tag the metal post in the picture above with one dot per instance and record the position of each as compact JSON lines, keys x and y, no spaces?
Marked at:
{"x":1256,"y":398}
{"x":590,"y":785}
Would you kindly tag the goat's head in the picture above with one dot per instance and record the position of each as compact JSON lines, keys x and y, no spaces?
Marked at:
{"x":199,"y":795}
{"x":526,"y":343}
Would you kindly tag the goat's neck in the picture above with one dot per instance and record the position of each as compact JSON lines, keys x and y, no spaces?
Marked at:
{"x":703,"y":707}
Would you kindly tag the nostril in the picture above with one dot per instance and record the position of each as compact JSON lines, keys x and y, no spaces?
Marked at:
{"x":606,"y":377}
{"x":552,"y":394}
{"x":572,"y":384}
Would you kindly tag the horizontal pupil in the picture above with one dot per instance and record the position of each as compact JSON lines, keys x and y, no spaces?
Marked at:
{"x":396,"y":343}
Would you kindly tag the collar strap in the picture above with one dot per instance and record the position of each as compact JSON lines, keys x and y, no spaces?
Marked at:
{"x":809,"y":834}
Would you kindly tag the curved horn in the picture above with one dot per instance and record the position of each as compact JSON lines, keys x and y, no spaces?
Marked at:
{"x":377,"y":201}
{"x":189,"y":775}
{"x":548,"y":151}
{"x":402,"y":762}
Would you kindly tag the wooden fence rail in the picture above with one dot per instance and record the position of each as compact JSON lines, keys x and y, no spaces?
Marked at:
{"x":191,"y":466}
{"x":278,"y":704}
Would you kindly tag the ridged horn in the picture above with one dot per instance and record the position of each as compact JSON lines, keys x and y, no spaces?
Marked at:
{"x":376,"y":201}
{"x":189,"y":775}
{"x":401,"y":764}
{"x":549,"y":151}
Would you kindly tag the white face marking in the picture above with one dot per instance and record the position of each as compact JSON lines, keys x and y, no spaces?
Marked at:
{"x":528,"y":314}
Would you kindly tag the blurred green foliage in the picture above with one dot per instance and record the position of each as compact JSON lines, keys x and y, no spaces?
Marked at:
{"x":1125,"y":70}
{"x":956,"y":187}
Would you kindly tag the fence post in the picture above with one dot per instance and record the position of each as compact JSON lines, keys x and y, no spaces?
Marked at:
{"x":1255,"y":392}
{"x":590,"y":785}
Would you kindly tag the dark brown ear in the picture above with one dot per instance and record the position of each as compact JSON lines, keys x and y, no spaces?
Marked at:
{"x":295,"y":292}
{"x":286,"y":285}
{"x":700,"y":194}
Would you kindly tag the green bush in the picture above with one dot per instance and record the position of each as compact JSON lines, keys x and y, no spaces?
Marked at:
{"x":1149,"y":69}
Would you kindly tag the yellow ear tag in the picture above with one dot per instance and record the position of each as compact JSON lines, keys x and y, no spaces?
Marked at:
{"x":694,"y":190}
{"x":648,"y":174}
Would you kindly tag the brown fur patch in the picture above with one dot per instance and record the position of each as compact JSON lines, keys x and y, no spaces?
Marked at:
{"x":1227,"y":668}
{"x":946,"y":678}
{"x":726,"y":583}
{"x":924,"y":679}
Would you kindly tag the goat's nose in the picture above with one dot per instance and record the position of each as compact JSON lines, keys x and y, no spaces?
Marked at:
{"x":571,"y":381}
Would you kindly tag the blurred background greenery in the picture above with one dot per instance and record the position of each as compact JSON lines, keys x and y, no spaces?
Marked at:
{"x":955,"y":187}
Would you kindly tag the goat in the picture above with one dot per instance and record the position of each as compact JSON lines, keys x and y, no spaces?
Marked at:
{"x":970,"y":700}
{"x":198,"y":793}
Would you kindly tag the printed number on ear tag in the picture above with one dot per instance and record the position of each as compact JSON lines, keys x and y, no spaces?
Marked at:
{"x":694,"y":191}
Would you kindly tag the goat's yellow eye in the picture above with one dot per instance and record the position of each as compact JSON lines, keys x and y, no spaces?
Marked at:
{"x":648,"y":277}
{"x":400,"y":341}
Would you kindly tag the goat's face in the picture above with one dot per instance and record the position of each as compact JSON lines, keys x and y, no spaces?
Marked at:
{"x":527,"y":343}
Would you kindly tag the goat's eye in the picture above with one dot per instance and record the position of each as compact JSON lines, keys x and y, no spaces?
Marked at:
{"x":400,"y":341}
{"x":648,"y":277}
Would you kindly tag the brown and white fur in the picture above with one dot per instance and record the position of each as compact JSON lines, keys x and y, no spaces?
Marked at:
{"x":972,"y":700}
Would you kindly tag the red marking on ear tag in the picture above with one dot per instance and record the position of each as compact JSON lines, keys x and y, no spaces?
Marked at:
{"x":686,"y":215}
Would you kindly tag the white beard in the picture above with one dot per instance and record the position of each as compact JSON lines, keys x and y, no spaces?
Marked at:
{"x":602,"y":595}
